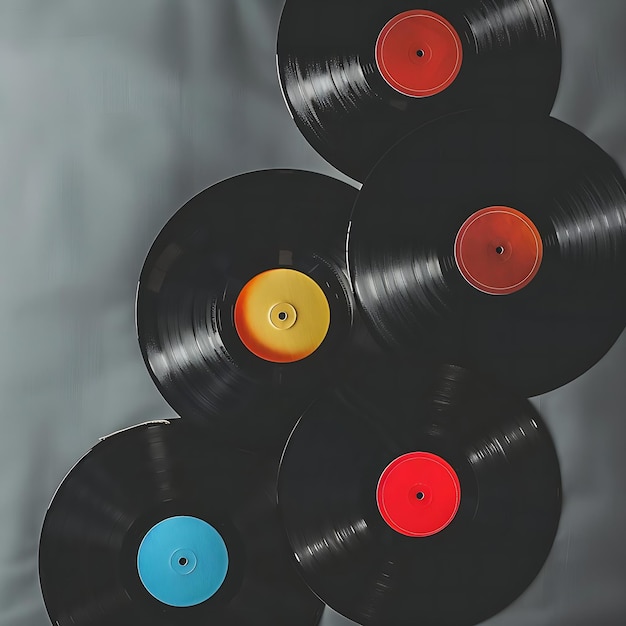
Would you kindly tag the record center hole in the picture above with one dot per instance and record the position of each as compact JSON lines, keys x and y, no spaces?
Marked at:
{"x":420,"y":53}
{"x":182,"y":561}
{"x":499,"y":250}
{"x":282,"y":316}
{"x":420,"y":495}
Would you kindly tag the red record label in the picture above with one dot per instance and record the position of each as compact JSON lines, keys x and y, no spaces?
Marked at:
{"x":418,"y":494}
{"x":498,"y":250}
{"x":419,"y":53}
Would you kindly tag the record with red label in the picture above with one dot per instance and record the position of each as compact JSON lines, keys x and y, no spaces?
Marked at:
{"x":495,"y":244}
{"x":163,"y":524}
{"x":358,"y":75}
{"x":244,"y":306}
{"x":409,"y":506}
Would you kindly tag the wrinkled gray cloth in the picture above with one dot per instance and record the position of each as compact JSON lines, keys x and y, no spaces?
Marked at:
{"x":112,"y":115}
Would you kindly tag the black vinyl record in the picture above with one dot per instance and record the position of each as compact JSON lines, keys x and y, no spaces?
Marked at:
{"x":359,"y":75}
{"x":498,"y":245}
{"x":264,"y":239}
{"x":159,"y":524}
{"x":435,"y":508}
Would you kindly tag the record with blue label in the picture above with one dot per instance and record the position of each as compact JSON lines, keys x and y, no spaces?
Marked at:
{"x":160,"y":524}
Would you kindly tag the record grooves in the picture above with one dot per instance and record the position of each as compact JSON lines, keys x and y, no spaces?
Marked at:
{"x":486,"y":254}
{"x":501,"y":247}
{"x":471,"y":510}
{"x":161,"y":524}
{"x":358,"y":76}
{"x":244,"y":307}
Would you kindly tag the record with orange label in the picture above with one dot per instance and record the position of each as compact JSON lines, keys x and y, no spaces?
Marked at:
{"x":437,"y":501}
{"x":358,"y":75}
{"x":163,"y":524}
{"x":244,"y":307}
{"x":496,"y":244}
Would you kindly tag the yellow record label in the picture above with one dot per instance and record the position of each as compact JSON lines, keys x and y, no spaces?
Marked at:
{"x":282,"y":315}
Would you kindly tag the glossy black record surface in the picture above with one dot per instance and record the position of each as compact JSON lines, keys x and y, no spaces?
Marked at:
{"x":193,"y":275}
{"x":351,"y":115}
{"x":402,"y":238}
{"x":138,"y":477}
{"x":494,"y":547}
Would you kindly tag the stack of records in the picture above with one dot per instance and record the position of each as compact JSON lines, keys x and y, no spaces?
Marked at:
{"x":351,"y":369}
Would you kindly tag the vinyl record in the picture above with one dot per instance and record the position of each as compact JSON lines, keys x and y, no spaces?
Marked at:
{"x":497,"y":245}
{"x":159,"y":524}
{"x":244,"y":306}
{"x":435,"y":509}
{"x":358,"y":75}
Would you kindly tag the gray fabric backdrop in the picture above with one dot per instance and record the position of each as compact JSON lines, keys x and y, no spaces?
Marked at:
{"x":112,"y":115}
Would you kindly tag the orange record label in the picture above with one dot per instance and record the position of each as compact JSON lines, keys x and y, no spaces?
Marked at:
{"x":498,"y":250}
{"x":282,"y":315}
{"x":419,"y":53}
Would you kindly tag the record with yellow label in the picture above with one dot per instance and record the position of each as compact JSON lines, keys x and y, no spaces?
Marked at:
{"x":244,"y":306}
